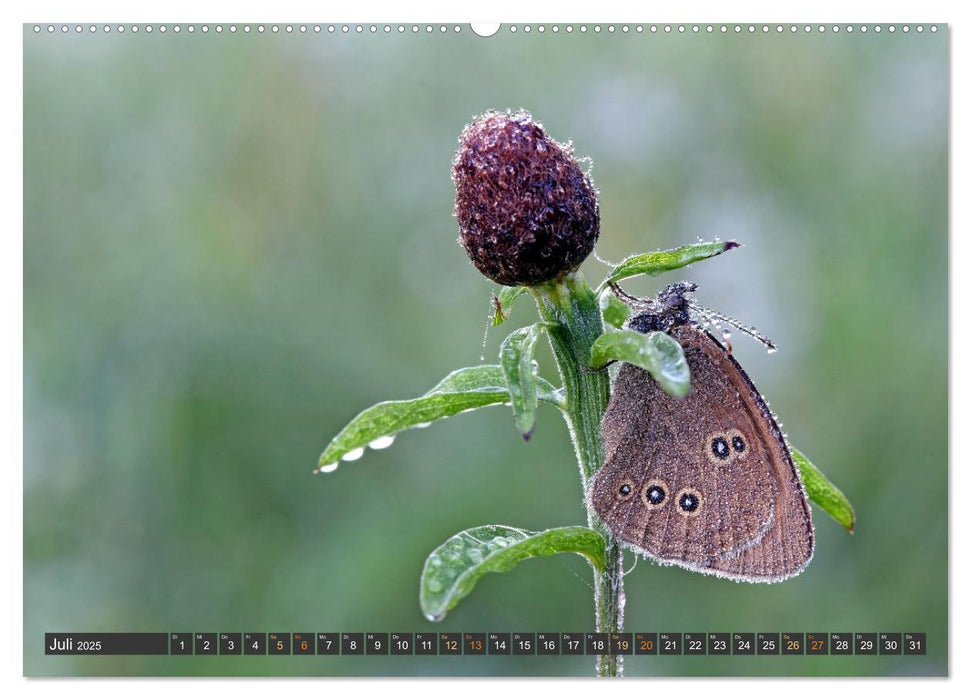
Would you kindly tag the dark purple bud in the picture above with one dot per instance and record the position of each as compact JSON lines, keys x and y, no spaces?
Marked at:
{"x":527,"y":212}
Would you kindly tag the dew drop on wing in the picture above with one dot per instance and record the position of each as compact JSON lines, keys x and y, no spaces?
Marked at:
{"x":327,"y":468}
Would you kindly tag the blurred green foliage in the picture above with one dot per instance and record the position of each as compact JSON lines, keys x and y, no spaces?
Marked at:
{"x":234,"y":243}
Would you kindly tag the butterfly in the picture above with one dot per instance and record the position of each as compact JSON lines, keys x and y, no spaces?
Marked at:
{"x":707,"y":481}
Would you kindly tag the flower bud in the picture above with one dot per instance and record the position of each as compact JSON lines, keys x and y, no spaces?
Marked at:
{"x":527,"y":213}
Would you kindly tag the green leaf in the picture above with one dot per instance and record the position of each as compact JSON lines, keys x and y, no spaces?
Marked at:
{"x":516,"y":360}
{"x":503,"y":303}
{"x":664,"y":260}
{"x":463,"y":390}
{"x":824,"y":493}
{"x":452,"y":570}
{"x":615,"y":311}
{"x":656,"y":352}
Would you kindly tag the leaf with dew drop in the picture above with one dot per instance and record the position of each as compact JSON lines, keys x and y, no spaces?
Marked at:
{"x":516,"y":360}
{"x":463,"y":390}
{"x":452,"y":570}
{"x":664,"y":260}
{"x":657,"y":352}
{"x":823,"y":493}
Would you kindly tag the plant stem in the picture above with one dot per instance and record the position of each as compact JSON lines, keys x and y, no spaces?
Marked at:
{"x":573,"y":313}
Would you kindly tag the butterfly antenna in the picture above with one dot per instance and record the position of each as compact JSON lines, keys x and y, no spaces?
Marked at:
{"x":710,"y":322}
{"x":748,"y":330}
{"x":630,"y":300}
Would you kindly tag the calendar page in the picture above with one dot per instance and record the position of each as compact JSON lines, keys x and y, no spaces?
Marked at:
{"x":680,"y":289}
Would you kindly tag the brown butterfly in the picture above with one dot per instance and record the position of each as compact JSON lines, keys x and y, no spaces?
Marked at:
{"x":705,"y":482}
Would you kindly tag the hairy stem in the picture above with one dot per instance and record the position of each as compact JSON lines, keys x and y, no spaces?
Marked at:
{"x":571,"y":309}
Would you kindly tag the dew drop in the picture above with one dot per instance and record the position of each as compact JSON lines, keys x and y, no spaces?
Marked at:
{"x":327,"y":468}
{"x":381,"y":442}
{"x":353,"y":455}
{"x":771,"y":351}
{"x":422,"y":425}
{"x":435,"y":586}
{"x":475,"y":555}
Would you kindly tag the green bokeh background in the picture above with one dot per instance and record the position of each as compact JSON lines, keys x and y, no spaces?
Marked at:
{"x":233,"y":243}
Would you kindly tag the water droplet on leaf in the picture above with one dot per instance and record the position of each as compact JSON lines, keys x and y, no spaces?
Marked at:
{"x":381,"y":442}
{"x":353,"y":455}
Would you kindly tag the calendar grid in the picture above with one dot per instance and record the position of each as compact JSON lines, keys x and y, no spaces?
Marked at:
{"x":374,"y":644}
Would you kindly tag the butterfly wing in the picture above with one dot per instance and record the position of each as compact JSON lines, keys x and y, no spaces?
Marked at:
{"x":705,"y":482}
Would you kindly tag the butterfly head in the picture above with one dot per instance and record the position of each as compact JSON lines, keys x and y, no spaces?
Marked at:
{"x":663,"y":313}
{"x":673,"y":307}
